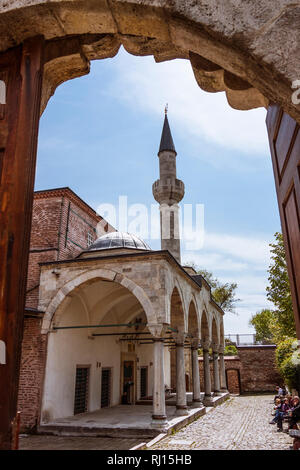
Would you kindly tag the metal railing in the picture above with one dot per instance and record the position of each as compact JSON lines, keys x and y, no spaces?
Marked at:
{"x":245,"y":340}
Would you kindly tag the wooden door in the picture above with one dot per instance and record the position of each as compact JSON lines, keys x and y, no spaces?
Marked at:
{"x":284,"y":139}
{"x":128,"y":381}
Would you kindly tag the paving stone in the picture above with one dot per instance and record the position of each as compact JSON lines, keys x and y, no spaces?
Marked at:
{"x":75,"y":443}
{"x":240,"y":423}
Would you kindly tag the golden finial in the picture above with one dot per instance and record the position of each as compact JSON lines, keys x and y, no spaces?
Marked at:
{"x":166,"y":109}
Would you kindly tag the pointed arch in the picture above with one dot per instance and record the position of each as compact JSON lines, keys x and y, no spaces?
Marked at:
{"x":193,"y":327}
{"x":90,"y":277}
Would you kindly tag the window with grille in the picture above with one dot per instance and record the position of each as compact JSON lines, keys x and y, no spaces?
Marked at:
{"x":81,"y":390}
{"x":143,"y":383}
{"x":90,"y":239}
{"x":105,"y":387}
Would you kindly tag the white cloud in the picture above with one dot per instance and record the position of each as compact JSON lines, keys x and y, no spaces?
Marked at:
{"x":149,"y":86}
{"x":240,"y":259}
{"x":226,"y":251}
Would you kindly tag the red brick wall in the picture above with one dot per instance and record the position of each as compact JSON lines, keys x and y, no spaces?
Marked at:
{"x":259,"y":373}
{"x":32,"y":373}
{"x":257,"y":368}
{"x":60,"y":226}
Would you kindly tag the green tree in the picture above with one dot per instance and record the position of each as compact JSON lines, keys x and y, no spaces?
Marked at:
{"x":223,"y":293}
{"x":278,"y":292}
{"x":262,"y":322}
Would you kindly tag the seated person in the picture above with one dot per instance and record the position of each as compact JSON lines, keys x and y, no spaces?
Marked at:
{"x":294,"y":414}
{"x":277,"y":408}
{"x":283,"y":413}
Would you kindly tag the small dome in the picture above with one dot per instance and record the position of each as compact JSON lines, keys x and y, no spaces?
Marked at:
{"x":119,"y":240}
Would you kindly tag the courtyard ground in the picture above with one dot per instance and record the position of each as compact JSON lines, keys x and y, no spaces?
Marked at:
{"x":240,"y":423}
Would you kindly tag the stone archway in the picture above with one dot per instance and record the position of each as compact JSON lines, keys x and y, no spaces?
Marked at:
{"x":93,"y":276}
{"x":231,"y":49}
{"x":234,"y":43}
{"x":108,"y":341}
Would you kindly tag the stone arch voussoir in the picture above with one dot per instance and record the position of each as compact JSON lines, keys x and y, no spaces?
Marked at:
{"x":92,"y":276}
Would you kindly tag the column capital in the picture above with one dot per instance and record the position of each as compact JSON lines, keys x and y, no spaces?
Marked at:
{"x":205,"y":343}
{"x":179,"y":338}
{"x":221,"y":349}
{"x":195,"y":343}
{"x":215,"y":347}
{"x":156,"y":329}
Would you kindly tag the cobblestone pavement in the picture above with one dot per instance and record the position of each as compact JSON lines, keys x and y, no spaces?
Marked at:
{"x":76,"y":443}
{"x":240,"y":423}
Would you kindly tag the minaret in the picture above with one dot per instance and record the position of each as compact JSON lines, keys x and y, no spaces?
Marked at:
{"x":168,"y":191}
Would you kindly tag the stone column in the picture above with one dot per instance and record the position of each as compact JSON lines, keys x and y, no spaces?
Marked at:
{"x":206,"y":366}
{"x":159,"y":417}
{"x":181,"y":402}
{"x":196,"y":378}
{"x":216,"y":368}
{"x":222,"y":369}
{"x":159,"y":404}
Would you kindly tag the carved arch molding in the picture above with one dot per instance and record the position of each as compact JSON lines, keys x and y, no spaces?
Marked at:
{"x":249,"y":50}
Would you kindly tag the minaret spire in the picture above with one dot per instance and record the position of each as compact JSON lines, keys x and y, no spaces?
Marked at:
{"x":168,"y":191}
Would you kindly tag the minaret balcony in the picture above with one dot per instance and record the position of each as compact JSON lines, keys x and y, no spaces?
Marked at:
{"x":168,"y":190}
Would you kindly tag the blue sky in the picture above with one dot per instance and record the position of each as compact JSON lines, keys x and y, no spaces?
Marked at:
{"x":100,"y":135}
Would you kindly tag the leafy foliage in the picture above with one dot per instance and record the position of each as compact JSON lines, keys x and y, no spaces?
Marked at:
{"x":262,"y":322}
{"x":278,"y":292}
{"x":230,"y":350}
{"x":224,"y":294}
{"x":288,"y":362}
{"x":277,"y":324}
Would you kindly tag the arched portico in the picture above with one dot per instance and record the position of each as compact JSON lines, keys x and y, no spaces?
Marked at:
{"x":99,"y":331}
{"x":205,"y":343}
{"x":194,"y":340}
{"x":223,"y":381}
{"x":215,"y":351}
{"x":90,"y":277}
{"x":178,"y":325}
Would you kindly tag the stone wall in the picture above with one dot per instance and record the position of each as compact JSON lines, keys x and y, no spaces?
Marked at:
{"x":252,"y":371}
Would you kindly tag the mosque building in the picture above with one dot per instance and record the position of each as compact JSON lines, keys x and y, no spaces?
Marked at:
{"x":111,"y":323}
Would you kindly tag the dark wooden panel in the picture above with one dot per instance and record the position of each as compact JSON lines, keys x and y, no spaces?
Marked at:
{"x":1,"y":163}
{"x":144,"y":382}
{"x":284,"y":139}
{"x":23,"y":67}
{"x":293,"y":233}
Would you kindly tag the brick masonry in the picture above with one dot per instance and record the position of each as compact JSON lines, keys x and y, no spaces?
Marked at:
{"x":61,"y":226}
{"x":253,"y":370}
